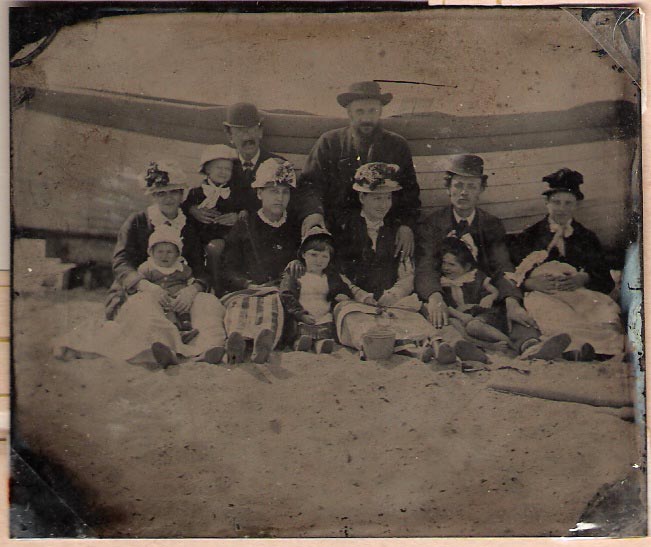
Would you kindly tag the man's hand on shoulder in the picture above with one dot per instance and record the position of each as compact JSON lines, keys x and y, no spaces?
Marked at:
{"x":404,"y":242}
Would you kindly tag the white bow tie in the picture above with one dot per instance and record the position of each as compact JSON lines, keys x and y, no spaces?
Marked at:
{"x":213,"y":195}
{"x":560,"y":233}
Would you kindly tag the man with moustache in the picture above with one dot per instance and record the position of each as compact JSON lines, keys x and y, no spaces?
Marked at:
{"x":325,"y":192}
{"x":485,"y":235}
{"x":243,"y":126}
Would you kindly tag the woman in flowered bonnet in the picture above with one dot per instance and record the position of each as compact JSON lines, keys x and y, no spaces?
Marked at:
{"x":258,"y":249}
{"x":379,"y":275}
{"x":137,"y":329}
{"x":564,"y":270}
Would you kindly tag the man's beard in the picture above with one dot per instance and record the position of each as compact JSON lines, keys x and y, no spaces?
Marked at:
{"x":365,"y":130}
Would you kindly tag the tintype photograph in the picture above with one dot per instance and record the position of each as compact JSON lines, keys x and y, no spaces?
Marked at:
{"x":322,"y":270}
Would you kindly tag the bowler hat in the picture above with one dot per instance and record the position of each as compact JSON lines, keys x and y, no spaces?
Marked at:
{"x":467,"y":165}
{"x":364,"y":90}
{"x":242,"y":115}
{"x":564,"y":180}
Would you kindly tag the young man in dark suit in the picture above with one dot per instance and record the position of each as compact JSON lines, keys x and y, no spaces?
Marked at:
{"x":465,"y":182}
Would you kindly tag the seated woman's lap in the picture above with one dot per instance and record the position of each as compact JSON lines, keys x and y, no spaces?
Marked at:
{"x":587,"y":316}
{"x":249,"y":314}
{"x":408,"y":325}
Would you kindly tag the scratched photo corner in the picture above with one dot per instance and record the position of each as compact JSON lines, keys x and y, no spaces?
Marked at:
{"x":326,"y":271}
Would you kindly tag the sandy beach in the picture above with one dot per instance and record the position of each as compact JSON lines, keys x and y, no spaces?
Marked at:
{"x":317,"y":446}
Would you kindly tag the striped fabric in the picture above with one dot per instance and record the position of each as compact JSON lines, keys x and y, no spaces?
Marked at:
{"x":252,"y":310}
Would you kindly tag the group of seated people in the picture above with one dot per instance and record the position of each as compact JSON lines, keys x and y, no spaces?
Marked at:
{"x":257,"y":258}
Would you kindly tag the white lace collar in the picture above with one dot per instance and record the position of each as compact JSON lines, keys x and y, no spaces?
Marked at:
{"x":157,"y":218}
{"x":272,"y":223}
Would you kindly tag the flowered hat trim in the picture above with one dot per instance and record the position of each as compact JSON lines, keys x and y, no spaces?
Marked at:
{"x":564,"y":180}
{"x":157,"y":179}
{"x":275,"y":172}
{"x":377,"y":177}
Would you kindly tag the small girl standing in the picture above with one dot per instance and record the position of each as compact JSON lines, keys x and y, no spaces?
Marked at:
{"x":210,"y":207}
{"x":310,"y":297}
{"x":166,"y":268}
{"x":468,"y":292}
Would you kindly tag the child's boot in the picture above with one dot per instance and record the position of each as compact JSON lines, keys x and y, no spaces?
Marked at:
{"x":235,"y":347}
{"x":185,"y":321}
{"x":469,"y":352}
{"x":188,"y":335}
{"x":446,"y":354}
{"x":164,"y":355}
{"x":303,"y":343}
{"x":262,"y":346}
{"x":324,"y":346}
{"x":427,"y":353}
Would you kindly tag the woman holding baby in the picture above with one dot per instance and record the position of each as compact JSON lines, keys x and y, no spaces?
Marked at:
{"x":565,"y":276}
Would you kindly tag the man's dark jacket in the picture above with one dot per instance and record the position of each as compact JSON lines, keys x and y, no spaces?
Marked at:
{"x":489,"y":236}
{"x":326,"y":183}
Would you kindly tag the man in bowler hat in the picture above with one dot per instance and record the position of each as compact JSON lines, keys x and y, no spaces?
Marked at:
{"x":325,"y":192}
{"x":243,"y":126}
{"x":465,"y":181}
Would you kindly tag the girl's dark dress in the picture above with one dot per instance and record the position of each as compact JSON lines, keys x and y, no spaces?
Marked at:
{"x":208,"y":232}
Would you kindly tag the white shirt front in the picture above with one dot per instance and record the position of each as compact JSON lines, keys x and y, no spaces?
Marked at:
{"x":468,"y":219}
{"x":314,"y":296}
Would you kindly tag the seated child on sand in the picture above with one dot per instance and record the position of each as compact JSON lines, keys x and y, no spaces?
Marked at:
{"x":166,"y":268}
{"x":469,"y":293}
{"x":309,"y":297}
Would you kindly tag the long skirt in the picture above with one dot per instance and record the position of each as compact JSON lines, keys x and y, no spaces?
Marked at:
{"x":252,"y":310}
{"x":140,"y":322}
{"x":587,"y":316}
{"x":353,"y":320}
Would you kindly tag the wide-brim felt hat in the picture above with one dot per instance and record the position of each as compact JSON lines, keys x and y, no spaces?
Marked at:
{"x":242,"y":115}
{"x":217,"y":152}
{"x":467,"y":165}
{"x":275,"y":172}
{"x":564,"y":180}
{"x":364,"y":90}
{"x":163,"y":177}
{"x":377,"y":178}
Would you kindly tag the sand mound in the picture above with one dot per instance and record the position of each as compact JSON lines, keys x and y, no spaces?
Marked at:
{"x":313,"y":446}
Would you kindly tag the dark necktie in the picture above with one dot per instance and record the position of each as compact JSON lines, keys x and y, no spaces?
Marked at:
{"x":462,"y":227}
{"x":248,"y":171}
